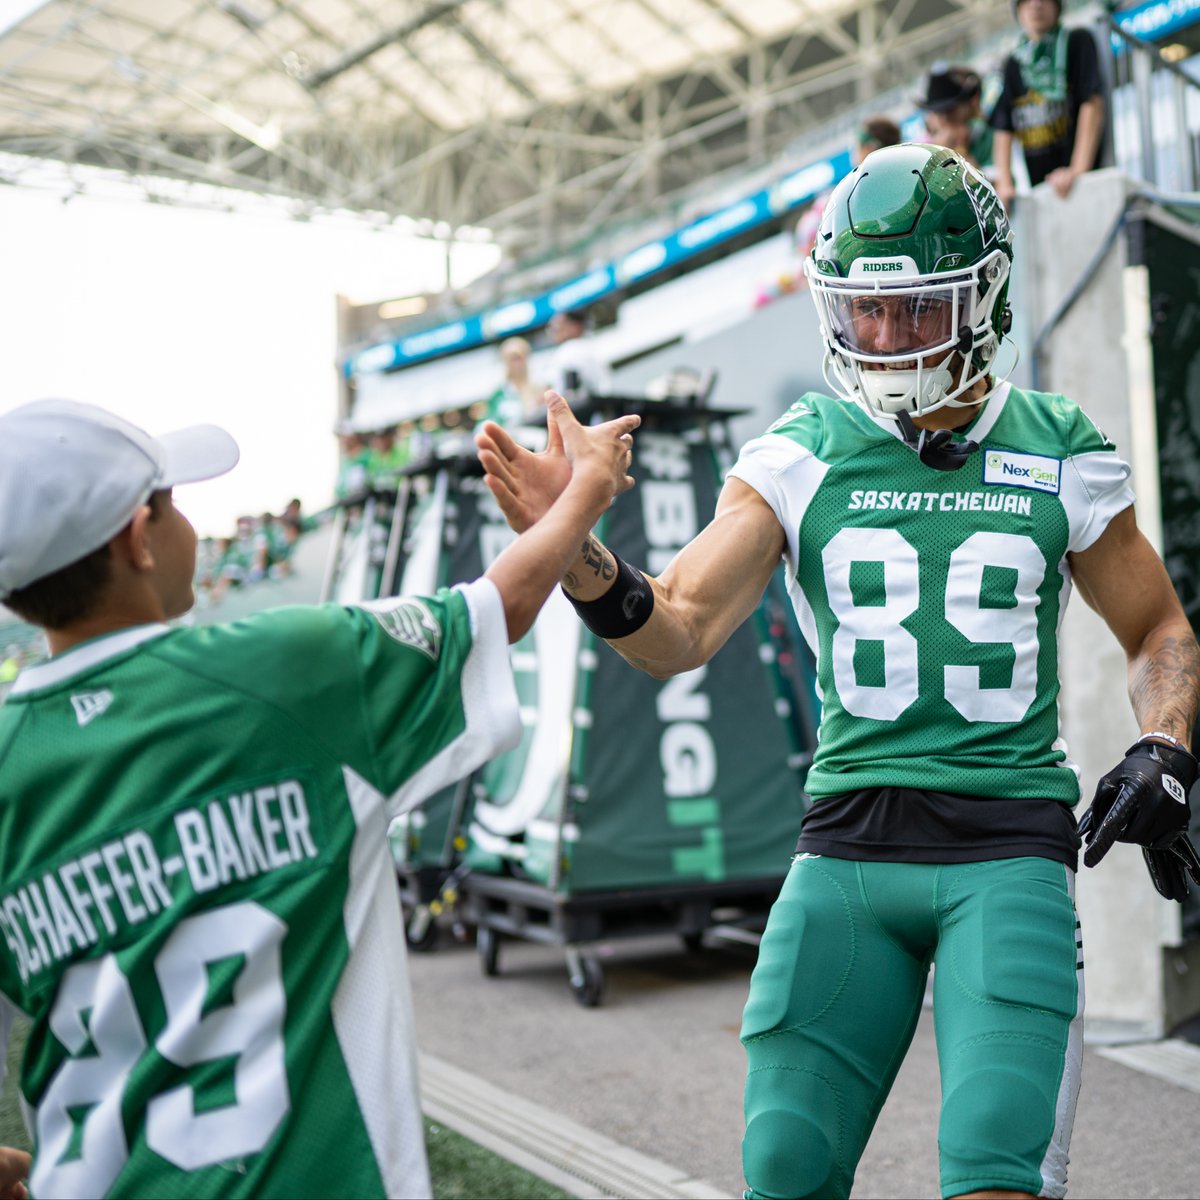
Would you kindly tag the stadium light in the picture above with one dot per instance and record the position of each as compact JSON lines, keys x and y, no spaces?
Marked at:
{"x":410,"y":306}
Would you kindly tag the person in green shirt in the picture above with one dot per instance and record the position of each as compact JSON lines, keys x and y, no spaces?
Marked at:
{"x":387,"y":454}
{"x":199,"y":915}
{"x":354,"y":459}
{"x":519,"y":400}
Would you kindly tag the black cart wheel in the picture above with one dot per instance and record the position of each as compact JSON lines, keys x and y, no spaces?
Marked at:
{"x":488,"y":945}
{"x":588,"y":985}
{"x":421,"y":931}
{"x":693,"y":942}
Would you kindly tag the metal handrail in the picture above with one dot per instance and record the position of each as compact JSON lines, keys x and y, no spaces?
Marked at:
{"x":1145,"y":58}
{"x":1149,"y":48}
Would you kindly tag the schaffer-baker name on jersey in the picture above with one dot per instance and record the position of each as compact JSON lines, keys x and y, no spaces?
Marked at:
{"x":1009,"y":502}
{"x":130,"y":878}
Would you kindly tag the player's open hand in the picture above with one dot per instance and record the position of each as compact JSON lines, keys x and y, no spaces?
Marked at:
{"x":526,"y":484}
{"x":600,"y":455}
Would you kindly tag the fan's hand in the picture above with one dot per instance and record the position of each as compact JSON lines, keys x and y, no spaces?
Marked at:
{"x":525,"y":484}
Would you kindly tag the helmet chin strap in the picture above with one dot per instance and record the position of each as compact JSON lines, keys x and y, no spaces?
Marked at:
{"x":936,"y":448}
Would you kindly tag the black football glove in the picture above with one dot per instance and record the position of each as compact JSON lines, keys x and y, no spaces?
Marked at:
{"x":1144,"y":801}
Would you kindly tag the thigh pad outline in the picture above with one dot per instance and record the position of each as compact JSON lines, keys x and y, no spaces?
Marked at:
{"x":797,"y":978}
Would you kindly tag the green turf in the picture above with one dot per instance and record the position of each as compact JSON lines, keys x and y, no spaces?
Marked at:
{"x":12,"y":1127}
{"x":460,"y":1169}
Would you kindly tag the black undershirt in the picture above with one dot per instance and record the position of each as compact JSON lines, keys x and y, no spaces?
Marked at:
{"x":910,"y":825}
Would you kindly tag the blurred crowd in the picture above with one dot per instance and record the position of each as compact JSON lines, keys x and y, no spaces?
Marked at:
{"x":260,"y":548}
{"x":23,"y":646}
{"x":374,"y":461}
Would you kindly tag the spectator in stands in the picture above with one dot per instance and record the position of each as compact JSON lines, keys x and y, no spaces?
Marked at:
{"x":352,"y":464}
{"x":236,"y":564}
{"x":385,"y":457}
{"x":518,"y":400}
{"x":952,"y":113}
{"x":289,"y":535}
{"x":293,"y":514}
{"x":1052,"y":102}
{"x":271,"y":548}
{"x":577,"y":370}
{"x":874,"y":133}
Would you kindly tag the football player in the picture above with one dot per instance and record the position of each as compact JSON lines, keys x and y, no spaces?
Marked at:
{"x":932,"y":519}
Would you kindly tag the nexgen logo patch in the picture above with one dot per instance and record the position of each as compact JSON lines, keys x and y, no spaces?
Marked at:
{"x":1033,"y":471}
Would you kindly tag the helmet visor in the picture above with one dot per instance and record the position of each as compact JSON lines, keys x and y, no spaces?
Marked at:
{"x":880,"y":322}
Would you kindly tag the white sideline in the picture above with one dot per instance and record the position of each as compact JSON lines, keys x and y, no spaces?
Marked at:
{"x":582,"y":1162}
{"x":1172,"y":1060}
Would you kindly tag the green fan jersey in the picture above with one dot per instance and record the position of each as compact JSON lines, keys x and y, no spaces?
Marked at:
{"x":198,"y":906}
{"x":932,"y":599}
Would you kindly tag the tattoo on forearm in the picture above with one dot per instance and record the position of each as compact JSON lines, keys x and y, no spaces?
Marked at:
{"x":598,"y":559}
{"x":570,"y":581}
{"x":1166,"y":687}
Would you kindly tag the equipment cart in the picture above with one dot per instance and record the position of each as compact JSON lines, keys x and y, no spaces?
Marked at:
{"x":634,"y":806}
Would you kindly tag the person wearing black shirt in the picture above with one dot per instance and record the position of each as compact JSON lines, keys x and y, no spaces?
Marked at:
{"x":1052,"y":102}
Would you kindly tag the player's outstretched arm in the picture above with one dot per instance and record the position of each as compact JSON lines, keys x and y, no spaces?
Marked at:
{"x":597,"y":463}
{"x":707,"y":590}
{"x":677,"y":621}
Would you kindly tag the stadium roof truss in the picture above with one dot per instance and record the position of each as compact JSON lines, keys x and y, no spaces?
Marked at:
{"x":537,"y":119}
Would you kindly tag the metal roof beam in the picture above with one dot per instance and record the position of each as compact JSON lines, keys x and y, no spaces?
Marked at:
{"x":488,"y":56}
{"x":434,"y":13}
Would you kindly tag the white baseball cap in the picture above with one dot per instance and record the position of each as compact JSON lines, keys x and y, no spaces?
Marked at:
{"x":73,"y":475}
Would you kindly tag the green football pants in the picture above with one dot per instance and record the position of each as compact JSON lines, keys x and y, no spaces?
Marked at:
{"x":834,"y":1001}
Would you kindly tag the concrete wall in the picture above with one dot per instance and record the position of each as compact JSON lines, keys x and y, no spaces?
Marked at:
{"x":1099,"y":355}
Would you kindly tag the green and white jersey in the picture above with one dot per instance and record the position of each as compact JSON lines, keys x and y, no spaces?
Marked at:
{"x":198,"y":905}
{"x":931,"y":598}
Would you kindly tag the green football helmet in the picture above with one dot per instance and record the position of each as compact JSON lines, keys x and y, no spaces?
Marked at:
{"x":909,"y":273}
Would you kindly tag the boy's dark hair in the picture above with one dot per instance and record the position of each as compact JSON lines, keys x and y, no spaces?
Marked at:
{"x":66,"y":596}
{"x":73,"y":592}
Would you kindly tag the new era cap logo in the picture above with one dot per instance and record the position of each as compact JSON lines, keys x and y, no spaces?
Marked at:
{"x":89,"y":705}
